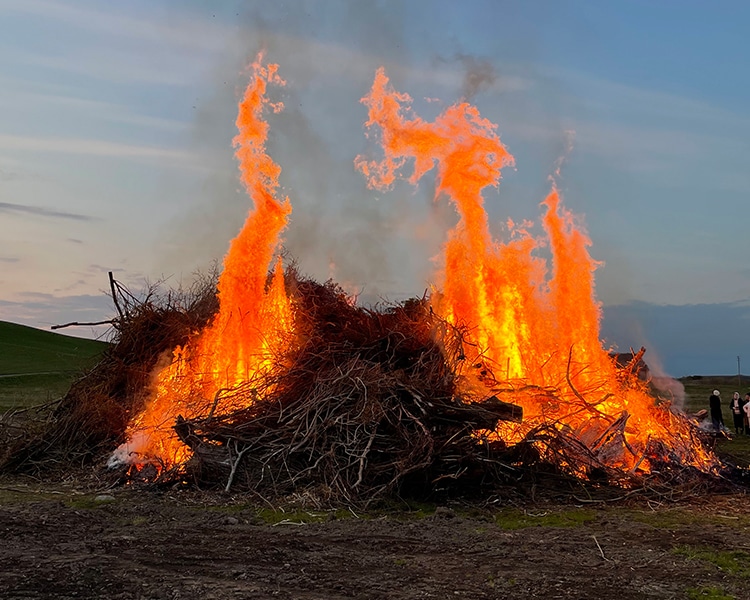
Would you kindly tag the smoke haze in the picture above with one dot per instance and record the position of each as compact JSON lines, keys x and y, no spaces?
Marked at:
{"x":381,"y":244}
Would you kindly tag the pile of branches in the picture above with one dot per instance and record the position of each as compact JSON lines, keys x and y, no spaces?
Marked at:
{"x":91,"y":418}
{"x":372,"y":404}
{"x":366,"y":406}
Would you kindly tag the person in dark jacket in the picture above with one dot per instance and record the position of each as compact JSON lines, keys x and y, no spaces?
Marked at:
{"x":714,"y":405}
{"x":735,"y":407}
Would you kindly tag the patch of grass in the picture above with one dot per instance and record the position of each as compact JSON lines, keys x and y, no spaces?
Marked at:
{"x":38,"y":366}
{"x":734,"y":562}
{"x":83,"y":503}
{"x":405,"y":510}
{"x":12,"y":495}
{"x":736,"y":450}
{"x":29,"y":350}
{"x":229,"y":509}
{"x":672,"y":519}
{"x":698,"y":389}
{"x":24,"y":391}
{"x":517,"y":519}
{"x":475,"y":514}
{"x":275,"y":517}
{"x":707,"y":593}
{"x":419,"y":510}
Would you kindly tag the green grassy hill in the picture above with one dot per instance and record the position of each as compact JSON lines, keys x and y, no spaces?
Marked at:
{"x":37,"y":366}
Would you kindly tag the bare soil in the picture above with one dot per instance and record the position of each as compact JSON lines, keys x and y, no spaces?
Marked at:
{"x":59,"y":542}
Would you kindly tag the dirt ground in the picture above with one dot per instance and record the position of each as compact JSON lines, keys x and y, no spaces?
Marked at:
{"x":58,"y":542}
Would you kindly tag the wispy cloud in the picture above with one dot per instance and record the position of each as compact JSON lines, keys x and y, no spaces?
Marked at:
{"x":9,"y":259}
{"x":603,"y":94}
{"x":102,"y":269}
{"x":648,"y":129}
{"x":18,"y":97}
{"x":44,"y":310}
{"x":170,"y":46}
{"x":182,"y":29}
{"x":41,"y":211}
{"x":70,"y":287}
{"x":119,"y":69}
{"x":6,"y":175}
{"x":92,"y":147}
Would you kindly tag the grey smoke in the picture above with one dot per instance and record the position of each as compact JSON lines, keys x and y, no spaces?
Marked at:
{"x":479,"y":74}
{"x":381,"y":243}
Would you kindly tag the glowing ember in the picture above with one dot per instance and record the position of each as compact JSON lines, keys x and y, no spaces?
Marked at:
{"x":532,"y":324}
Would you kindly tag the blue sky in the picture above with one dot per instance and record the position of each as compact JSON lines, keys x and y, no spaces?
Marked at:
{"x":116,"y":122}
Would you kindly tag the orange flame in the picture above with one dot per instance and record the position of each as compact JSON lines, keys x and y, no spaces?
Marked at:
{"x":532,"y":326}
{"x":254,"y":319}
{"x":533,"y":322}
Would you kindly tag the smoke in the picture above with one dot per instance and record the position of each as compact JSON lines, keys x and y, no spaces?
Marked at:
{"x":628,"y":332}
{"x":668,"y":387}
{"x":381,"y":244}
{"x":336,"y":219}
{"x":479,"y":74}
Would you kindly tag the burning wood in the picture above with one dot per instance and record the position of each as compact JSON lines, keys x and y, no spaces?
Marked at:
{"x":92,"y":417}
{"x":287,"y":384}
{"x":366,"y":403}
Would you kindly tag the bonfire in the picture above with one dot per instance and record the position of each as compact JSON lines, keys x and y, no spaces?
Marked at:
{"x":275,"y":383}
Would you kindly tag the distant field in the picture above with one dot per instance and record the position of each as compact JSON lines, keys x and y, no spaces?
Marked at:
{"x":699,"y":387}
{"x":37,"y":366}
{"x":697,"y":390}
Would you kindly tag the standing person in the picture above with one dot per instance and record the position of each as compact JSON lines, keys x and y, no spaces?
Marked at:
{"x":714,"y":405}
{"x":735,"y":407}
{"x":746,"y":410}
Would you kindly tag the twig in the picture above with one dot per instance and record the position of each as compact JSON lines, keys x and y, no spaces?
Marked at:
{"x":83,"y":324}
{"x":363,"y":457}
{"x":600,"y":549}
{"x":235,"y":464}
{"x":588,"y":404}
{"x":114,"y":295}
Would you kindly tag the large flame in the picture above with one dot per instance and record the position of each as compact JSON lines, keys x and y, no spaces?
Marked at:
{"x":532,"y":325}
{"x":254,"y":321}
{"x":527,"y":305}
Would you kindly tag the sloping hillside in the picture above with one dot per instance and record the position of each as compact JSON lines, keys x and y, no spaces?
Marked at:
{"x":28,"y":350}
{"x":36,"y":365}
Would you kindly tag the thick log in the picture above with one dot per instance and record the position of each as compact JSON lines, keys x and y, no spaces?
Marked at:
{"x":185,"y":430}
{"x":505,"y":411}
{"x":477,"y":415}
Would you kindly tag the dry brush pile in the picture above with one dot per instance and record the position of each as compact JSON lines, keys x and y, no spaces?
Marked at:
{"x":90,"y":420}
{"x":367,"y":403}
